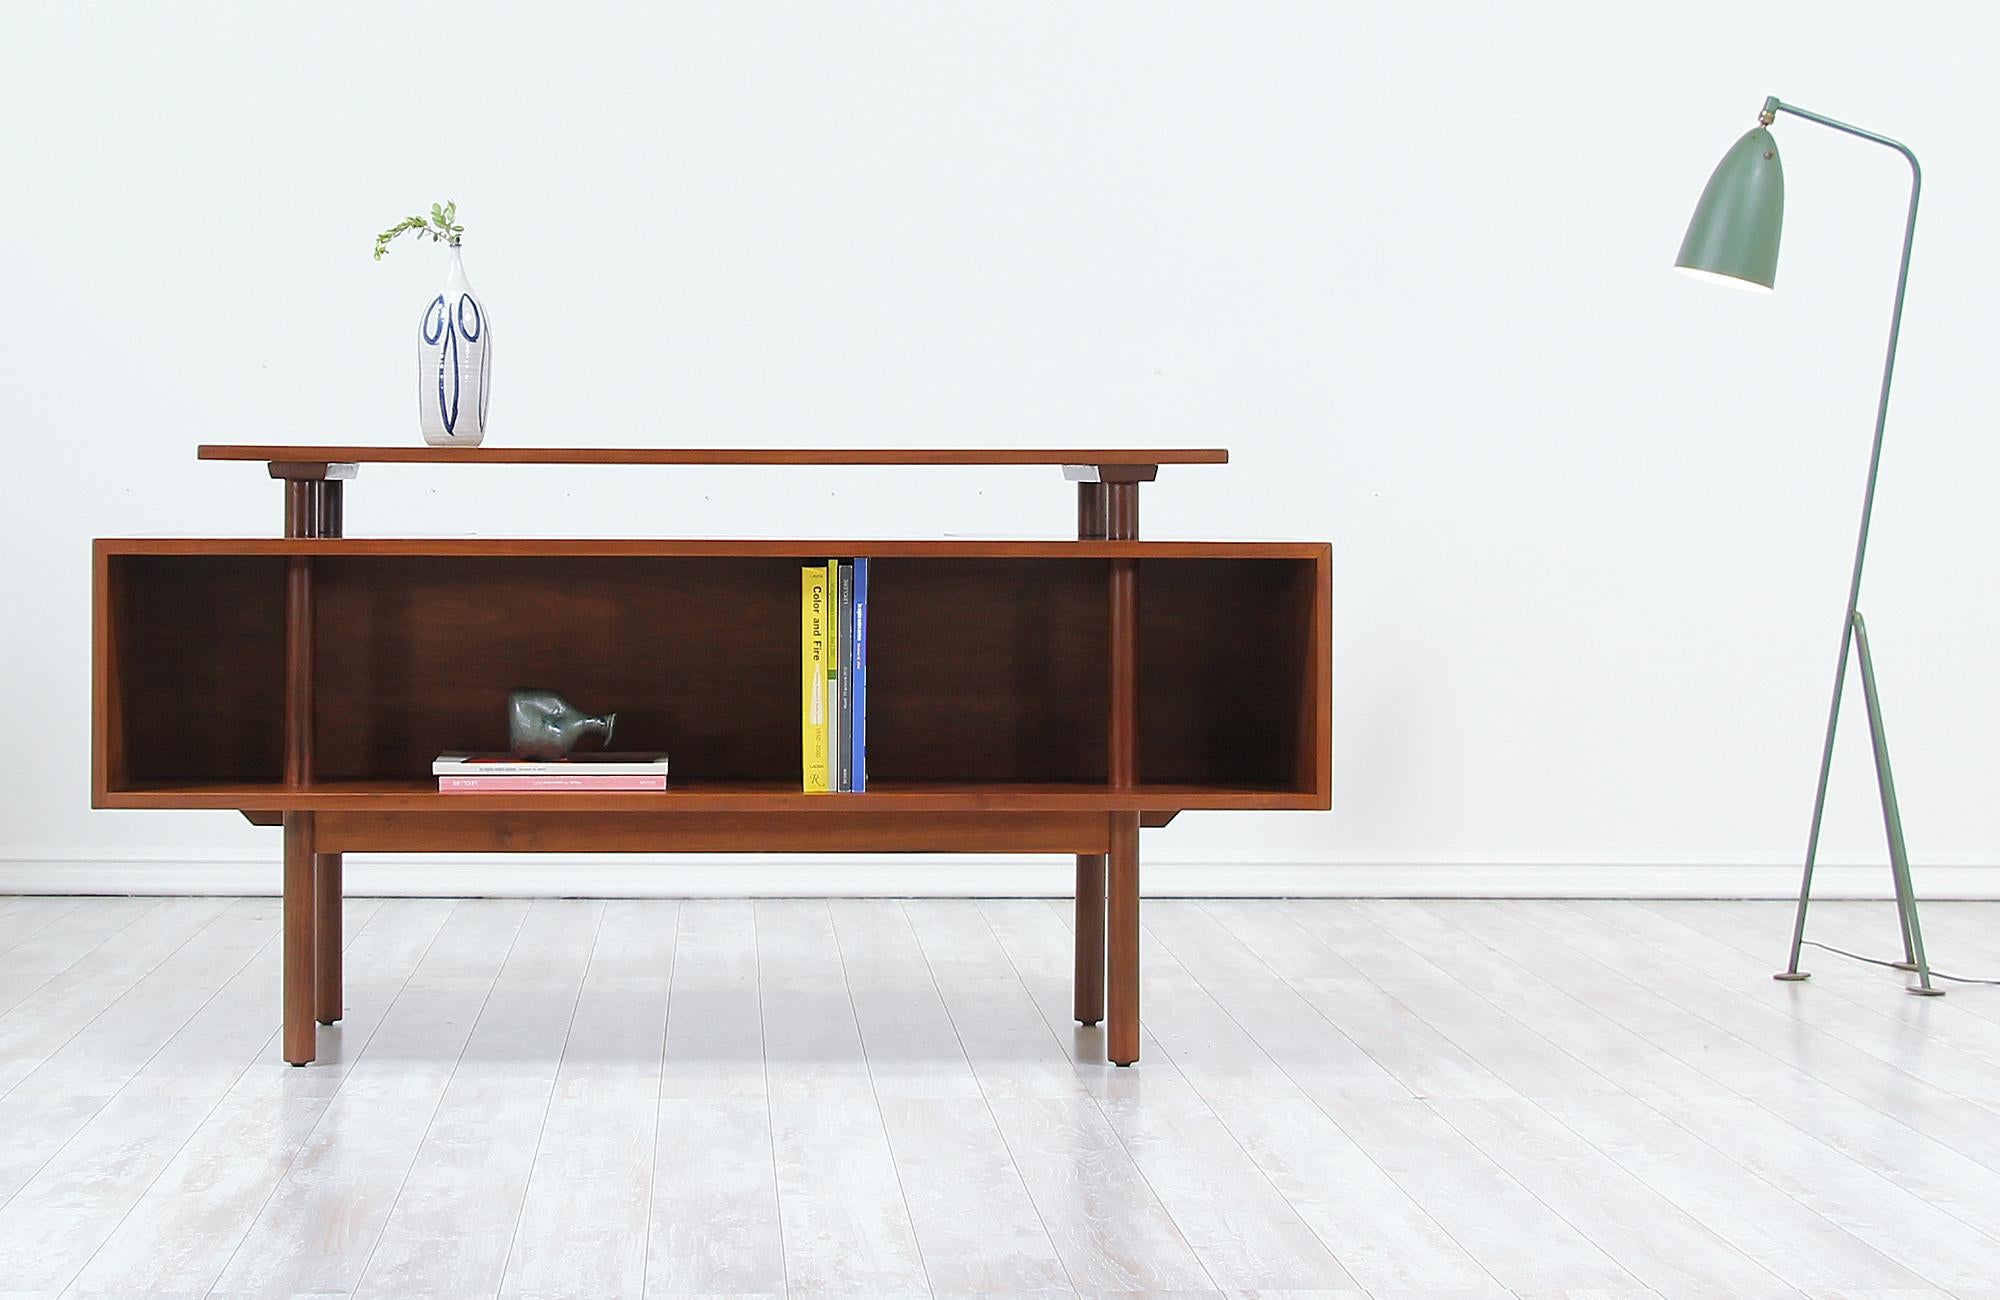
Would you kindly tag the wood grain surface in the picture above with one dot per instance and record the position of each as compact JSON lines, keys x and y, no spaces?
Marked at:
{"x":358,"y":455}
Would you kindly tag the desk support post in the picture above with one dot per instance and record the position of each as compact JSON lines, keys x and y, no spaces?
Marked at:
{"x":301,"y":1034}
{"x":312,"y":929}
{"x":1121,"y":517}
{"x":327,"y":892}
{"x":1088,"y":1003}
{"x":1122,"y":1040}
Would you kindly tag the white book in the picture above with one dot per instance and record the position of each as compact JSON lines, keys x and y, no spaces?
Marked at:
{"x":591,"y":764}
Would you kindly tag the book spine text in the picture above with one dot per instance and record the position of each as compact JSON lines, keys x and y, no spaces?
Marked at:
{"x":816,"y":664}
{"x":844,"y":738}
{"x":859,"y":728}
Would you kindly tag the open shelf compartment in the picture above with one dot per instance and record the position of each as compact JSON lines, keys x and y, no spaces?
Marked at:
{"x":988,"y":669}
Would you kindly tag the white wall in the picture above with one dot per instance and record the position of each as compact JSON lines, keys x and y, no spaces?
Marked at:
{"x":1408,"y":261}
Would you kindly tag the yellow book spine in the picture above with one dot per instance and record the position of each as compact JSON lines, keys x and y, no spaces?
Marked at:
{"x":834,"y":668}
{"x":814,"y":651}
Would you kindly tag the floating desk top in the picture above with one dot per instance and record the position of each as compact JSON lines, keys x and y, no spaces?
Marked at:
{"x":320,"y":469}
{"x":719,"y":455}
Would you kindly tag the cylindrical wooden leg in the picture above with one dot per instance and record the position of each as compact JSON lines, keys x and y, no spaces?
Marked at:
{"x":1122,"y":1009}
{"x":1121,"y":511}
{"x":1121,"y":523}
{"x":301,"y":1034}
{"x":1089,"y":1000}
{"x":1092,"y":514}
{"x":312,"y":880}
{"x":331,"y":507}
{"x":1124,"y":737}
{"x":298,"y":671}
{"x":326,"y":936}
{"x":301,"y":508}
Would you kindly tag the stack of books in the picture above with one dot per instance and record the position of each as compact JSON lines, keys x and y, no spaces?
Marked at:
{"x":833,"y":614}
{"x":498,"y":773}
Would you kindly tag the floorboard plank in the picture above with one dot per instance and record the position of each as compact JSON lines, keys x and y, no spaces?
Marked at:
{"x":586,"y":1211}
{"x":714,"y":1226}
{"x":715,"y":1034}
{"x":976,"y":1226}
{"x":1242,"y":1230}
{"x":841,"y":1202}
{"x":1108,"y":1226}
{"x":713,"y":1222}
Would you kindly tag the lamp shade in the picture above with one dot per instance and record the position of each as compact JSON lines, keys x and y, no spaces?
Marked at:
{"x":1733,"y":235}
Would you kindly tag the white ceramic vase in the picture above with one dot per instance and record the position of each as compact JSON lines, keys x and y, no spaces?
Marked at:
{"x":454,"y":348}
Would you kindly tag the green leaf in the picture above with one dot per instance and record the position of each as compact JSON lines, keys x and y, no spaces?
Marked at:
{"x":440,"y":226}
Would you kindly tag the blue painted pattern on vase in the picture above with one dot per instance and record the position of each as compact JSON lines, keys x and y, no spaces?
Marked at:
{"x":454,"y":348}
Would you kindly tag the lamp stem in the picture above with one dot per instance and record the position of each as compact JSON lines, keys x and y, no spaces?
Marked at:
{"x":1848,"y":619}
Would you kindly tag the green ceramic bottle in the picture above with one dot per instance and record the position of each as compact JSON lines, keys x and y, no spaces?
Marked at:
{"x":543,"y":725}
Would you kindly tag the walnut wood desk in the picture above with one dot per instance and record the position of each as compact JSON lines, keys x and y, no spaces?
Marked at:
{"x":1023,"y":696}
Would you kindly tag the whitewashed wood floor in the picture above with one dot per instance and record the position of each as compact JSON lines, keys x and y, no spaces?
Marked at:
{"x":1391,"y":1099}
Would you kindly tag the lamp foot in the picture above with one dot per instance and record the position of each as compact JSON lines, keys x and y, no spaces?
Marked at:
{"x":1925,"y":993}
{"x":1793,"y":976}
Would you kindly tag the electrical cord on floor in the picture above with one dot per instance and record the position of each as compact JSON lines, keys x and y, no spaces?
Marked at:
{"x":1936,"y":974}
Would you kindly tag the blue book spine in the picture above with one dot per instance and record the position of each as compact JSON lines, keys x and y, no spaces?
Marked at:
{"x":858,"y":718}
{"x":844,"y":741}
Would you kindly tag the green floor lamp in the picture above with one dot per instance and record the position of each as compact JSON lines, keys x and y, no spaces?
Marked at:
{"x":1733,"y":239}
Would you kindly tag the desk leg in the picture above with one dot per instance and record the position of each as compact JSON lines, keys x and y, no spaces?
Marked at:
{"x":301,"y":1034}
{"x":1116,"y":513}
{"x":1089,"y":1000}
{"x":1121,"y":522}
{"x":1122,"y":1022}
{"x":328,"y":508}
{"x":326,"y":937}
{"x":310,"y":504}
{"x":1092,"y":519}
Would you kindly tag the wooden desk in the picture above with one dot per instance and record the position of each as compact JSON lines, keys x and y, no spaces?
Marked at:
{"x":1022,"y":698}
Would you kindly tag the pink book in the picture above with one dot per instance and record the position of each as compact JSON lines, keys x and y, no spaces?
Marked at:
{"x":503,"y":784}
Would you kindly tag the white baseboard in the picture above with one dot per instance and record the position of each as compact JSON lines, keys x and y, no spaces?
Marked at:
{"x":693,"y":876}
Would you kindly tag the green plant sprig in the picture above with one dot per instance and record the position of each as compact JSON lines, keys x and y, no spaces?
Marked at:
{"x":440,"y":227}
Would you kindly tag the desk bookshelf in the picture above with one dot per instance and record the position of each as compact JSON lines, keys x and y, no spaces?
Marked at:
{"x":1024,"y":698}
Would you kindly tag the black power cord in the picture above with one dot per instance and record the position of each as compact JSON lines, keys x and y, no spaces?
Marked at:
{"x":1936,"y":974}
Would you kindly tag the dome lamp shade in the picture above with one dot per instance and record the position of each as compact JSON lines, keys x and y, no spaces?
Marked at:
{"x":1733,"y":236}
